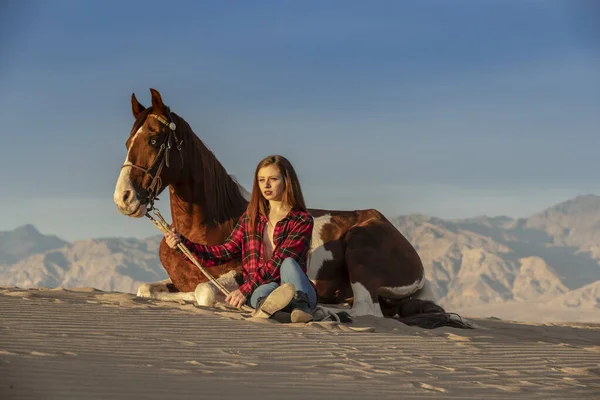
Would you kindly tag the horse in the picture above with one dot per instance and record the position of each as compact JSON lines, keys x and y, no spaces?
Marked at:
{"x":357,"y":258}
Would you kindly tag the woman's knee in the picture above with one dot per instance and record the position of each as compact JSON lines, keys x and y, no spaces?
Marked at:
{"x":289,"y":265}
{"x":265,"y":290}
{"x":261,"y":291}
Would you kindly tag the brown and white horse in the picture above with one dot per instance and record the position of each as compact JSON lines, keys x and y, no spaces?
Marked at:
{"x":357,"y":258}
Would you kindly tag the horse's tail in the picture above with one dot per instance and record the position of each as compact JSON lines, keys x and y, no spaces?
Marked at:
{"x":427,"y":314}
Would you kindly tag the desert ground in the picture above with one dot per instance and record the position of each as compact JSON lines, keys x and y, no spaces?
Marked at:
{"x":88,"y":344}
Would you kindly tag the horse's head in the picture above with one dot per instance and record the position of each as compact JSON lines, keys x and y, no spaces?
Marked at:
{"x":152,"y":161}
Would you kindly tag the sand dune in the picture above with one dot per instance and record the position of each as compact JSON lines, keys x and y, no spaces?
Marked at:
{"x":89,"y":344}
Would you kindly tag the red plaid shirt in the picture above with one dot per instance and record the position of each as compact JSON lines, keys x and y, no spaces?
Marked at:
{"x":291,"y":238}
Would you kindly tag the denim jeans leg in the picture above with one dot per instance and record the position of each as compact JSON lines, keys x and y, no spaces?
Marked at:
{"x":292,"y":273}
{"x":261,"y":291}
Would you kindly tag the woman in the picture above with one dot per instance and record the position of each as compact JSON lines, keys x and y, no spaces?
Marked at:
{"x":272,"y":238}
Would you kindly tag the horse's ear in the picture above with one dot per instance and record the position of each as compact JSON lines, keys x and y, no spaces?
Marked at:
{"x":136,"y":107}
{"x":157,"y":103}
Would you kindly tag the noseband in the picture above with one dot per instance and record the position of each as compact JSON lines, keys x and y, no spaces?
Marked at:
{"x":162,"y":158}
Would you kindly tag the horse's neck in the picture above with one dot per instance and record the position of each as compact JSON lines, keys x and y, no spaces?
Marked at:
{"x":190,"y":219}
{"x":192,"y":216}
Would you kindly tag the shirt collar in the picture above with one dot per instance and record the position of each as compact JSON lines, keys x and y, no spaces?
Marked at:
{"x":289,"y":215}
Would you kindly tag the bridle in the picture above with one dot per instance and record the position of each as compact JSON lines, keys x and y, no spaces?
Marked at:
{"x":162,"y":158}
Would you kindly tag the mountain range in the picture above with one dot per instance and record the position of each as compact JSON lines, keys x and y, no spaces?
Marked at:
{"x":550,"y":258}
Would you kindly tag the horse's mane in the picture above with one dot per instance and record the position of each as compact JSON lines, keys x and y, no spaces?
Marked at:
{"x":223,"y":198}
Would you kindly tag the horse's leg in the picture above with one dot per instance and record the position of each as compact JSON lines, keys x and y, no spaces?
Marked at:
{"x":208,"y":295}
{"x":381,"y":263}
{"x":363,"y":280}
{"x":149,"y":289}
{"x":160,"y":291}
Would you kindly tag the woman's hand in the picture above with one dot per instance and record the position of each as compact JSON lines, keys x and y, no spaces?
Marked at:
{"x":236,"y":299}
{"x":173,"y":238}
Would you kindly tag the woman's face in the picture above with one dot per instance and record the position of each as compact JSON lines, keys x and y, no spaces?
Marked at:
{"x":271,"y":183}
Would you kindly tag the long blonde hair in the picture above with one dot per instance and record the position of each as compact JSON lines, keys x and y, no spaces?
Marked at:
{"x":292,"y":193}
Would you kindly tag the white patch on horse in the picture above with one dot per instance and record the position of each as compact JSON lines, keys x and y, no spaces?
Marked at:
{"x":426,"y":293}
{"x":124,"y":182}
{"x":318,"y":254}
{"x":158,"y":291}
{"x":399,"y":292}
{"x":363,"y":304}
{"x":207,"y":294}
{"x":150,"y":289}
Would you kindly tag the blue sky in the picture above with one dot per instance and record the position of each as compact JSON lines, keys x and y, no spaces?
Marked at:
{"x":446,"y":108}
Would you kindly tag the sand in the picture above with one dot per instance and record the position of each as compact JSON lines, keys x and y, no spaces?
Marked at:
{"x":88,"y":344}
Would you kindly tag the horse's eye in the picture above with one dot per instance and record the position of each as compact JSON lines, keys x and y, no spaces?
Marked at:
{"x":153,"y":142}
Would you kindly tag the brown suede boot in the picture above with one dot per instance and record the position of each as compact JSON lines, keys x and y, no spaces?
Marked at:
{"x":276,"y":301}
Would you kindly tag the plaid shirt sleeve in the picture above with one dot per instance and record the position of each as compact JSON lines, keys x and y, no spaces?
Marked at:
{"x":295,"y":245}
{"x":218,"y":254}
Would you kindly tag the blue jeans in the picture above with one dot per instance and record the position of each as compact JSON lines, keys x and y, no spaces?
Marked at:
{"x":290,"y":272}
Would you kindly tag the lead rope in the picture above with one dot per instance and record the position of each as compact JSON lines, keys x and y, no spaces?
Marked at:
{"x":327,"y":314}
{"x":164,"y":227}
